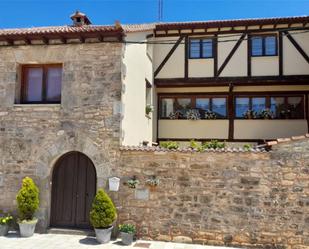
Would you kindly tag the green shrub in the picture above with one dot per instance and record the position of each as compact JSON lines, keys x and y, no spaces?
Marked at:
{"x":197,"y":146}
{"x":127,"y":228}
{"x":27,"y":199}
{"x":5,"y":219}
{"x":214,"y":144}
{"x":169,"y":145}
{"x":247,"y":147}
{"x":103,"y":212}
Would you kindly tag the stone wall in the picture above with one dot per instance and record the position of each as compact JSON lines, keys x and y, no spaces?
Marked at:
{"x":33,"y":137}
{"x":247,"y":199}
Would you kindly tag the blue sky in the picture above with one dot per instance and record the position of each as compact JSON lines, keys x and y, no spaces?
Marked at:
{"x":29,"y":13}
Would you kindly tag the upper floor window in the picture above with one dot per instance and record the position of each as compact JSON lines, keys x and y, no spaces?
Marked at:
{"x":200,"y":48}
{"x":41,"y":84}
{"x":265,"y":45}
{"x":206,"y":107}
{"x":270,"y":107}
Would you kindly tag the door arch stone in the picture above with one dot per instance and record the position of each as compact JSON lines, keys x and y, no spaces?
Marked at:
{"x":73,"y":189}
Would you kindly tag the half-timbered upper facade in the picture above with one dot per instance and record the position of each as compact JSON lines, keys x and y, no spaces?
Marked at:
{"x":232,"y":80}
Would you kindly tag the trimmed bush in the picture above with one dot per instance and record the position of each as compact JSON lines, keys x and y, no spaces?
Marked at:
{"x":27,"y":199}
{"x":103,"y":212}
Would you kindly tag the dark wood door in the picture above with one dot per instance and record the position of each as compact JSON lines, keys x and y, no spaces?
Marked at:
{"x":73,"y":189}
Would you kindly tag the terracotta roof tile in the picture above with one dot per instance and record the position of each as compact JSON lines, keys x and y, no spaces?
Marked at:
{"x":138,"y":27}
{"x":284,"y":140}
{"x":233,"y":22}
{"x":189,"y":150}
{"x":56,"y":30}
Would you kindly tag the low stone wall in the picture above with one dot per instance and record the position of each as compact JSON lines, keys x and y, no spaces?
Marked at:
{"x":231,"y":198}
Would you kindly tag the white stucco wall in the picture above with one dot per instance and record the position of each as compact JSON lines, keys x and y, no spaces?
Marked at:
{"x":293,"y":61}
{"x":137,"y":67}
{"x":201,"y":68}
{"x":237,"y":65}
{"x":196,"y":129}
{"x":269,"y":129}
{"x":174,"y":67}
{"x":265,"y":66}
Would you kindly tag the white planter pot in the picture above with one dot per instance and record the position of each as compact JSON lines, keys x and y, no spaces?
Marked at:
{"x":103,"y":235}
{"x":126,"y":238}
{"x":4,"y":230}
{"x":26,"y":229}
{"x":114,"y":183}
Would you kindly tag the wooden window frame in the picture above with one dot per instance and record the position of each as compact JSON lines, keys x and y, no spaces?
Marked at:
{"x":201,"y":47}
{"x":193,"y":98}
{"x":45,"y":68}
{"x":268,"y":103}
{"x":263,"y":37}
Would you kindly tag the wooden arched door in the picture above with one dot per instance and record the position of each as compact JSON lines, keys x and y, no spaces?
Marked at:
{"x":73,"y":189}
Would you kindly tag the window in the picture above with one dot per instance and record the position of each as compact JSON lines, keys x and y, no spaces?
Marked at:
{"x":274,"y":107}
{"x":264,"y":45}
{"x":148,"y":108}
{"x":287,"y":107}
{"x":208,"y":107}
{"x":200,"y":48}
{"x":41,"y":84}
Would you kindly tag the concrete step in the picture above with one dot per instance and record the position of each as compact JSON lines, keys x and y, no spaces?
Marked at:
{"x":70,"y":231}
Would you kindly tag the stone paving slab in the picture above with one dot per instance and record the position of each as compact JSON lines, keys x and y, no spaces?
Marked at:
{"x":59,"y":241}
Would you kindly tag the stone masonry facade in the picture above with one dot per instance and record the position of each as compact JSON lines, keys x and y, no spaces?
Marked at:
{"x":220,"y":198}
{"x":233,"y":198}
{"x":33,"y":137}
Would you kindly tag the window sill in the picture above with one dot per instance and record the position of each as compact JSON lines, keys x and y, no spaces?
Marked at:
{"x":37,"y":105}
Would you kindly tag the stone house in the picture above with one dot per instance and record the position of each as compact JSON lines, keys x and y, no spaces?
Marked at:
{"x":70,"y":96}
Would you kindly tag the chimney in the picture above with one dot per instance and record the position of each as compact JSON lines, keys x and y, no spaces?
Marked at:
{"x":80,"y":19}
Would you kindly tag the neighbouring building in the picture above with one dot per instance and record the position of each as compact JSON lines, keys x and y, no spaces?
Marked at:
{"x":70,"y":96}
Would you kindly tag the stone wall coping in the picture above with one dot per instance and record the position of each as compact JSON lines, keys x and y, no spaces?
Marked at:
{"x":287,"y":139}
{"x":189,"y":150}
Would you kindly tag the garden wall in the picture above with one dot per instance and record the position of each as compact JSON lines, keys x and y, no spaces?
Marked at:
{"x":233,"y":198}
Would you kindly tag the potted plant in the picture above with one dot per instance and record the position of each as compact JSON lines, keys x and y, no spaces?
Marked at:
{"x":193,"y":114}
{"x":27,"y":203}
{"x":152,"y":182}
{"x":210,"y":115}
{"x":102,"y":215}
{"x":4,"y":224}
{"x":250,"y":114}
{"x":127,"y":232}
{"x":148,"y":109}
{"x":266,"y":114}
{"x":133,"y":182}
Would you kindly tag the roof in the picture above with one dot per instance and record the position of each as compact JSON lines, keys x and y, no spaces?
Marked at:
{"x":57,"y":30}
{"x":189,"y":150}
{"x":289,"y":139}
{"x":138,"y":27}
{"x":66,"y":32}
{"x":232,"y":22}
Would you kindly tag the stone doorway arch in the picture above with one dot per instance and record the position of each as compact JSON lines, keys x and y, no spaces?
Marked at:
{"x":73,"y":189}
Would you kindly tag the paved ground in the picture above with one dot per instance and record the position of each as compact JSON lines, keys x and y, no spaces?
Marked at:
{"x":56,"y":241}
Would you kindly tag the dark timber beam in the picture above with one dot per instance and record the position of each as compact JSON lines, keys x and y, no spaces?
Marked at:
{"x":170,"y":53}
{"x":307,"y":110}
{"x":280,"y":54}
{"x":231,"y":111}
{"x":186,"y":57}
{"x":249,"y":55}
{"x":230,"y":55}
{"x":297,"y":46}
{"x":215,"y":54}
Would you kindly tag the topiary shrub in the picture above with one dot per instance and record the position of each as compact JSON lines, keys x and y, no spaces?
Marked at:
{"x":103,"y":212}
{"x":27,"y":199}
